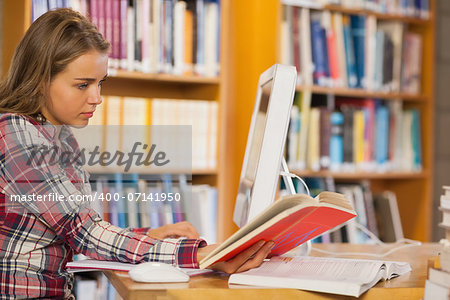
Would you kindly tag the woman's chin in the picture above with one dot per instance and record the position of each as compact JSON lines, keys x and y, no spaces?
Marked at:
{"x":79,"y":123}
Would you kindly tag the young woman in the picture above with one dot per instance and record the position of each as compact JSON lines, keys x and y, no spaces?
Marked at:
{"x":53,"y":83}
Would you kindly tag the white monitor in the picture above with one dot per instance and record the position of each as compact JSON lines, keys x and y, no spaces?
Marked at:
{"x":265,"y":142}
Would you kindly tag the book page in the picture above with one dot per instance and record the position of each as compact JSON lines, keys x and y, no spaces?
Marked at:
{"x":336,"y":199}
{"x":318,"y":268}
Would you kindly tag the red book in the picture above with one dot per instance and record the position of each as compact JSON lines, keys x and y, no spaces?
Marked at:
{"x":289,"y":222}
{"x":333,"y":59}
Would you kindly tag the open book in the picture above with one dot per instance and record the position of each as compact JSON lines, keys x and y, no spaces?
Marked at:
{"x":289,"y":222}
{"x":350,"y":277}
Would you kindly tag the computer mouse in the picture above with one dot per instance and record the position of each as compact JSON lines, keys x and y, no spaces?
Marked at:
{"x":157,"y":272}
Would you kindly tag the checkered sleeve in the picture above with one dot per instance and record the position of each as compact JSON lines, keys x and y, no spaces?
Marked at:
{"x":31,"y":183}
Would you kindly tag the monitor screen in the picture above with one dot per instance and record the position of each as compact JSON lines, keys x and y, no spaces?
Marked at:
{"x":258,"y":134}
{"x":265,"y":143}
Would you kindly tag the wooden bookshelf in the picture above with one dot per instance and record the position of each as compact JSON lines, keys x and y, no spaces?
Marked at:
{"x":257,"y":20}
{"x":378,"y":15}
{"x":184,"y":79}
{"x":361,"y":93}
{"x":362,"y":11}
{"x":17,"y":19}
{"x":358,"y":175}
{"x":148,"y":171}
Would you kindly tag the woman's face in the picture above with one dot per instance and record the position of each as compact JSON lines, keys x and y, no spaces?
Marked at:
{"x":75,"y":92}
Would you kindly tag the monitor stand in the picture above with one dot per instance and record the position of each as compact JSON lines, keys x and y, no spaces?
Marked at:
{"x":305,"y":248}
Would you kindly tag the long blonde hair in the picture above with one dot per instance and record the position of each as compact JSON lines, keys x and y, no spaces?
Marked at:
{"x":53,"y":41}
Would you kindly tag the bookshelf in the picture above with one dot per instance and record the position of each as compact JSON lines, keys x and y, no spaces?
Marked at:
{"x":413,"y":189}
{"x":124,"y":83}
{"x":250,"y":35}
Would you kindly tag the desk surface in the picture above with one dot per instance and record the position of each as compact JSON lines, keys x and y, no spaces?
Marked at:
{"x":215,"y":286}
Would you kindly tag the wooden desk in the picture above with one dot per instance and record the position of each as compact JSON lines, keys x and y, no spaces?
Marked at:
{"x":215,"y":286}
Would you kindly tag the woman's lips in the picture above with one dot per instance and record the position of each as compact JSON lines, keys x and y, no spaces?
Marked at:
{"x":88,"y":114}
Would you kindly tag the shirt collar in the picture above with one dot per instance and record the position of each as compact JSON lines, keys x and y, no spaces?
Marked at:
{"x":60,"y":132}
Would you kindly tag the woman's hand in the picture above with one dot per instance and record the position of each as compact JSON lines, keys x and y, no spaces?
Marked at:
{"x":177,"y":230}
{"x":250,"y":258}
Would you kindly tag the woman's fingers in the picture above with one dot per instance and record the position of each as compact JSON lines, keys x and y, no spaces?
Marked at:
{"x":257,"y":259}
{"x":250,"y":258}
{"x":182,"y":229}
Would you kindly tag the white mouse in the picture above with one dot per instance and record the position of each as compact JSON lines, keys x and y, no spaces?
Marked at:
{"x":157,"y":272}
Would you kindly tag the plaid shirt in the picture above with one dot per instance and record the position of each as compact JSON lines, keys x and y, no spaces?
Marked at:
{"x":38,"y":238}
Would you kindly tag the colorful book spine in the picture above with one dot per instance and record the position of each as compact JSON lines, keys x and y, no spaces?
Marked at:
{"x":319,"y":48}
{"x":382,"y":135}
{"x":352,"y":78}
{"x":357,"y":24}
{"x":336,"y":141}
{"x":416,"y":140}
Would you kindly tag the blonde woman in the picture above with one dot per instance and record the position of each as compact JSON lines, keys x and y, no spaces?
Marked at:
{"x":53,"y":83}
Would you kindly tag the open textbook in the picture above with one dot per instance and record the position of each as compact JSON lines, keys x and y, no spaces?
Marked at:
{"x":289,"y":222}
{"x":350,"y":277}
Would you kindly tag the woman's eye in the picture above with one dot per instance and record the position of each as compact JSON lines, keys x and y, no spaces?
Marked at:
{"x":83,"y":86}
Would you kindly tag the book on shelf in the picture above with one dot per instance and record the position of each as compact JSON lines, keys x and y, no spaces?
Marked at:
{"x":180,"y":37}
{"x":350,"y":277}
{"x":289,"y":222}
{"x":351,"y":50}
{"x":91,"y":287}
{"x":388,"y":214}
{"x":355,"y":194}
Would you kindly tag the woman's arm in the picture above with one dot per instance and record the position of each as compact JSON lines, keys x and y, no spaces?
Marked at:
{"x":74,"y":222}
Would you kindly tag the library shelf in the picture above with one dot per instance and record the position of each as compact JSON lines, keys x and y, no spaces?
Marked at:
{"x":378,"y":15}
{"x":358,"y":175}
{"x":362,"y":93}
{"x":362,"y":11}
{"x":149,"y":170}
{"x":188,"y":79}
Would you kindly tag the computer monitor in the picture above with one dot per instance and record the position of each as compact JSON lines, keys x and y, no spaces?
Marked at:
{"x":265,"y":142}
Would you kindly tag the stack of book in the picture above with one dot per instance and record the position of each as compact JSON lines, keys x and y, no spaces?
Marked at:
{"x":445,"y":208}
{"x":438,"y":284}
